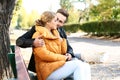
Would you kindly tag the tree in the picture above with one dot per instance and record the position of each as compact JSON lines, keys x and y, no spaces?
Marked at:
{"x":66,"y":4}
{"x":106,"y":10}
{"x":6,"y":9}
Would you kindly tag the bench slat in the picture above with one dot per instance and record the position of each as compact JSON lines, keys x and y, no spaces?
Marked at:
{"x":20,"y":65}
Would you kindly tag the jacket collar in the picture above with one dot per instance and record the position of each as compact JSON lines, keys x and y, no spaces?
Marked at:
{"x":46,"y":33}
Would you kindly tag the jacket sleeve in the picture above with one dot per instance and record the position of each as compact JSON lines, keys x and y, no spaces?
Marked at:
{"x":63,"y":35}
{"x":47,"y":55}
{"x":26,"y":39}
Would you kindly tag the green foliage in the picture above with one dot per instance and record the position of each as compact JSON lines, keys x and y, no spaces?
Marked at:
{"x":66,"y":4}
{"x":102,"y":28}
{"x":18,"y":5}
{"x":28,"y":20}
{"x":96,"y":28}
{"x":34,"y":15}
{"x":16,"y":12}
{"x":73,"y":17}
{"x":105,"y":10}
{"x":24,"y":16}
{"x":116,"y":13}
{"x":24,"y":20}
{"x":71,"y":27}
{"x":21,"y":19}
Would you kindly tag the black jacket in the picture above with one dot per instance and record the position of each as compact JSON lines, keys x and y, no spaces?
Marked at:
{"x":26,"y":41}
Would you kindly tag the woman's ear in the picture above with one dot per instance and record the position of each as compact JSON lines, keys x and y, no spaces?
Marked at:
{"x":47,"y":23}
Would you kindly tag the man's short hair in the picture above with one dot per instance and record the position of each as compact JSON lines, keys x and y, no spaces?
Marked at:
{"x":63,"y":12}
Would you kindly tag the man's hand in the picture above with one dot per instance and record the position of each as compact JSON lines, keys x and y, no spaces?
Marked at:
{"x":69,"y":56}
{"x":38,"y":42}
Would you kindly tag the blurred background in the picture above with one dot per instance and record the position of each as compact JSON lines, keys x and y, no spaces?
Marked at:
{"x":99,"y":19}
{"x":94,"y":17}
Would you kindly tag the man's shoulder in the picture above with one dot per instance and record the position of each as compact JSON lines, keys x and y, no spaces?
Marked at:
{"x":61,"y":28}
{"x":33,"y":27}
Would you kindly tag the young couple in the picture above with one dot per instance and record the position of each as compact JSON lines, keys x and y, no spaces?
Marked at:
{"x":54,"y":58}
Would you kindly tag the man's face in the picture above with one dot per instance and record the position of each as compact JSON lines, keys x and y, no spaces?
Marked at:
{"x":61,"y":19}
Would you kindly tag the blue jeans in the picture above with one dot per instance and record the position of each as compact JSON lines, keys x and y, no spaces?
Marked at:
{"x":78,"y":69}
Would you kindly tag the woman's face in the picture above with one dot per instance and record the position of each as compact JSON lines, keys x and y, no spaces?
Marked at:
{"x":53,"y":23}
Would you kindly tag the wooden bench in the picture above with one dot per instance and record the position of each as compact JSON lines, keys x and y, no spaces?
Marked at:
{"x":18,"y":65}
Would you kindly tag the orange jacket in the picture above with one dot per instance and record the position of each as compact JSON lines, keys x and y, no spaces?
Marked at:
{"x":49,"y":57}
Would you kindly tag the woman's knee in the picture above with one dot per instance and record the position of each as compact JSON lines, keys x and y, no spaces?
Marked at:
{"x":82,"y":64}
{"x":87,"y":65}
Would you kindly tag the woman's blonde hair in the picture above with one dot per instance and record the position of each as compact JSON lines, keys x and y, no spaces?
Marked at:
{"x":46,"y":16}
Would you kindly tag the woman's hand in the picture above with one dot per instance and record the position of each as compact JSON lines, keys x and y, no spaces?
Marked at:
{"x":69,"y":57}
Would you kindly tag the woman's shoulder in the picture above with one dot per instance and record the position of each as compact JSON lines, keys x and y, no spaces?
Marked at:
{"x":40,"y":28}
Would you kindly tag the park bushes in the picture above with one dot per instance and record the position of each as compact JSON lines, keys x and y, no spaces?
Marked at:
{"x":106,"y":28}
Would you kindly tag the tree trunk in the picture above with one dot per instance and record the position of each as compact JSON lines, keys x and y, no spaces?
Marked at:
{"x":6,"y":9}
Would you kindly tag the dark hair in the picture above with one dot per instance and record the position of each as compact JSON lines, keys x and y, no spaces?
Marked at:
{"x":63,"y":12}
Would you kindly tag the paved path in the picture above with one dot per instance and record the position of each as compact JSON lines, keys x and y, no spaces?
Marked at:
{"x":110,"y":70}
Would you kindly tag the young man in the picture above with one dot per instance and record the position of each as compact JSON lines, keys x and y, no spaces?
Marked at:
{"x":26,"y":39}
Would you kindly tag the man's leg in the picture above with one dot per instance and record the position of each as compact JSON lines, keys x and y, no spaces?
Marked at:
{"x":78,"y":55}
{"x":33,"y":76}
{"x":31,"y":65}
{"x":69,"y":78}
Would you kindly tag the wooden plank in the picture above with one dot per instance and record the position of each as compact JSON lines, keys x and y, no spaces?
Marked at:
{"x":20,"y":65}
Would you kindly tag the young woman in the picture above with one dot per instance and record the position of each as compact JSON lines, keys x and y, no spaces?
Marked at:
{"x":52,"y":60}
